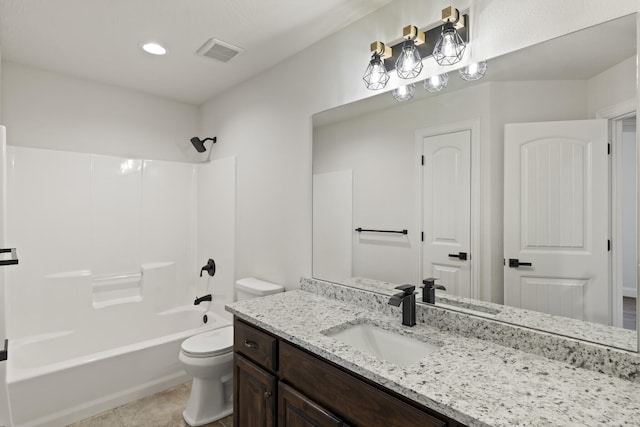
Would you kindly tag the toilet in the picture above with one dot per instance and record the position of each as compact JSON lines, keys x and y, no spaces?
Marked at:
{"x":208,"y":358}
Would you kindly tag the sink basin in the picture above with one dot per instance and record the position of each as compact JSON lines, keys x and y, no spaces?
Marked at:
{"x":385,"y":345}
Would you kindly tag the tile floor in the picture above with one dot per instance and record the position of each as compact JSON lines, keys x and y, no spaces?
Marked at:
{"x":160,"y":410}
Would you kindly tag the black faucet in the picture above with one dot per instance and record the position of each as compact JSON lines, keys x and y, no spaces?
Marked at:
{"x":202,"y":299}
{"x":429,"y":290}
{"x":210,"y":268}
{"x":408,"y":300}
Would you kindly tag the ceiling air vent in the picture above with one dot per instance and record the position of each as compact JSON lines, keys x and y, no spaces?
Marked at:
{"x":219,"y":50}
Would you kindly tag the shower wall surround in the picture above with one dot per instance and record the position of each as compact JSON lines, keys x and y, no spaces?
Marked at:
{"x":97,"y":233}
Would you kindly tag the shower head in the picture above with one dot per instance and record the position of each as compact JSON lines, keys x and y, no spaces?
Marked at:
{"x":199,"y":143}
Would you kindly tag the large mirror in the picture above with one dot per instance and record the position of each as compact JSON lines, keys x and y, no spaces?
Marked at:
{"x":516,"y":191}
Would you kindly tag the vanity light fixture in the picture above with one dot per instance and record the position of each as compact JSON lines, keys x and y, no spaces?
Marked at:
{"x":404,"y":93}
{"x":409,"y":63}
{"x":446,"y":45}
{"x":450,"y":46}
{"x":153,"y":48}
{"x":376,"y":76}
{"x":436,"y":83}
{"x":474,"y":71}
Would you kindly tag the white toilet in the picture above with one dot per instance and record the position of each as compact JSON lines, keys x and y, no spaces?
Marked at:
{"x":208,"y":357}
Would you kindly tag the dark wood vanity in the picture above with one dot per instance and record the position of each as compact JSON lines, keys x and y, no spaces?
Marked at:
{"x":277,"y":383}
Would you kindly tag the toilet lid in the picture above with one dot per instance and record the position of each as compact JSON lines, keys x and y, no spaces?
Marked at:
{"x":210,"y":343}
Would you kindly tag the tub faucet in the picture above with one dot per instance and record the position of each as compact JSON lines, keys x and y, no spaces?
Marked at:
{"x":408,"y":300}
{"x":209,"y":268}
{"x":202,"y":299}
{"x":429,"y":290}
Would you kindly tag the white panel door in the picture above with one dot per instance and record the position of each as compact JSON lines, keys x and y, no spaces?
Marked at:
{"x":447,"y":211}
{"x":556,"y":217}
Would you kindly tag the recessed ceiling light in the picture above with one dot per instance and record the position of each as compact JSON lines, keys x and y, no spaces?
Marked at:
{"x":153,"y":48}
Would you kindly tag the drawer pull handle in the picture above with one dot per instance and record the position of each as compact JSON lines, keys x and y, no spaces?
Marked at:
{"x":267,"y":395}
{"x":250,"y":344}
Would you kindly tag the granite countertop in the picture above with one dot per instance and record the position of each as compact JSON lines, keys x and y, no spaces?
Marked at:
{"x":593,"y":332}
{"x":476,"y":382}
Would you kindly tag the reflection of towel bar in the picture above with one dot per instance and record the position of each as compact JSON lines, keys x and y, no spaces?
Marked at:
{"x":360,"y":230}
{"x":14,"y":256}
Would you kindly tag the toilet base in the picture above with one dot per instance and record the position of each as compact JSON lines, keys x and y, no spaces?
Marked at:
{"x":207,"y":402}
{"x":220,"y":416}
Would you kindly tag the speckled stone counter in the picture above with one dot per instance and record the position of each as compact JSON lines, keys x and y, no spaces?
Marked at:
{"x":580,"y":353}
{"x":592,"y":332}
{"x":476,"y":382}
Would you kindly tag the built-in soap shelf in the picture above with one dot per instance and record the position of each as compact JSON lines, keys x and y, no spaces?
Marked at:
{"x":120,"y":289}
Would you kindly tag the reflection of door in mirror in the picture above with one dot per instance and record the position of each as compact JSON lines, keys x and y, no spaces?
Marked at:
{"x":446,"y":184}
{"x":556,"y":227}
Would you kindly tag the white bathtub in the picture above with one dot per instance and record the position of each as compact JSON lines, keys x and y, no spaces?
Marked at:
{"x":65,"y":376}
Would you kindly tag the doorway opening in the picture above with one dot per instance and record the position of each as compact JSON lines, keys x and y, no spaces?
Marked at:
{"x":624,"y":232}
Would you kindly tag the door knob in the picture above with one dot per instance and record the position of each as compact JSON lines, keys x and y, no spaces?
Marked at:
{"x":515,"y":263}
{"x":462,"y":256}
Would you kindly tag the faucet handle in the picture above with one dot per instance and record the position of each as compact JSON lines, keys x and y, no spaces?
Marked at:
{"x":406,"y":289}
{"x":431,"y":283}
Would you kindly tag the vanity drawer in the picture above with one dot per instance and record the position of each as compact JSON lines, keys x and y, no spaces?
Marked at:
{"x":256,"y":345}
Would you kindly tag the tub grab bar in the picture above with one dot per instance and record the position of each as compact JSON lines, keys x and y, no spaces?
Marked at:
{"x":14,"y":256}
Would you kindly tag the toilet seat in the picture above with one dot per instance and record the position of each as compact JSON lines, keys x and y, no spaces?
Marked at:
{"x":210,"y":343}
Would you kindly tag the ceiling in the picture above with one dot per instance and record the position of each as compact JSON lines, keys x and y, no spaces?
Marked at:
{"x":99,"y":39}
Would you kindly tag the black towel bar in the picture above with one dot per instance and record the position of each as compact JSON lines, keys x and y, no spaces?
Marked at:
{"x":360,"y":230}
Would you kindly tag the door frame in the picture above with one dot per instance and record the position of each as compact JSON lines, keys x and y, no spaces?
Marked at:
{"x":615,"y":114}
{"x":473,"y":126}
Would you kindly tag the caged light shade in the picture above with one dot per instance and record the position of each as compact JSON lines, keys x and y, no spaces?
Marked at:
{"x":436,"y":83}
{"x":404,"y":93}
{"x":375,"y":75}
{"x":409,"y":63}
{"x":474,"y":71}
{"x":450,"y":47}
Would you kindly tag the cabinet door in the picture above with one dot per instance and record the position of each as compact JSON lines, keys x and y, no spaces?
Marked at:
{"x":254,"y":400}
{"x":296,"y":410}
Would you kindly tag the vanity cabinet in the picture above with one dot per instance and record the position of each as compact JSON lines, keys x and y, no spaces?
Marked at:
{"x":254,"y":395}
{"x":279,"y":384}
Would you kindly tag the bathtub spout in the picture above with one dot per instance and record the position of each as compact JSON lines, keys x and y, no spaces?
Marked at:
{"x":202,"y":299}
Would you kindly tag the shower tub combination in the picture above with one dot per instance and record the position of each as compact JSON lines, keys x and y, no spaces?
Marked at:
{"x":103,"y":296}
{"x":62,"y":377}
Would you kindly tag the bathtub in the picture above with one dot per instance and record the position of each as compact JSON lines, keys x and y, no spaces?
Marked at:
{"x":64,"y":376}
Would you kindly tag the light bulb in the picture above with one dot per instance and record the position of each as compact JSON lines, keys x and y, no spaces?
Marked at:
{"x":409,"y":63}
{"x":450,"y":47}
{"x":404,"y":93}
{"x":436,"y":83}
{"x":376,"y":75}
{"x":473,"y":71}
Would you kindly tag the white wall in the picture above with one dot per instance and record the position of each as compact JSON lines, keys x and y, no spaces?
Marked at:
{"x":266,"y":122}
{"x":49,"y":110}
{"x":215,"y":230}
{"x":613,"y":86}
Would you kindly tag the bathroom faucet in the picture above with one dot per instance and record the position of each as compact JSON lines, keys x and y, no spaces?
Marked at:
{"x":209,"y":268}
{"x":202,"y":299}
{"x":408,"y":300}
{"x":429,"y":290}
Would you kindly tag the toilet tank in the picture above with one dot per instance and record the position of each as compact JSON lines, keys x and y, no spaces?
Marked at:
{"x":251,"y":287}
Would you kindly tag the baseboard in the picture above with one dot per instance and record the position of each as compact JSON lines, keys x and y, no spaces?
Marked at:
{"x":629,"y":292}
